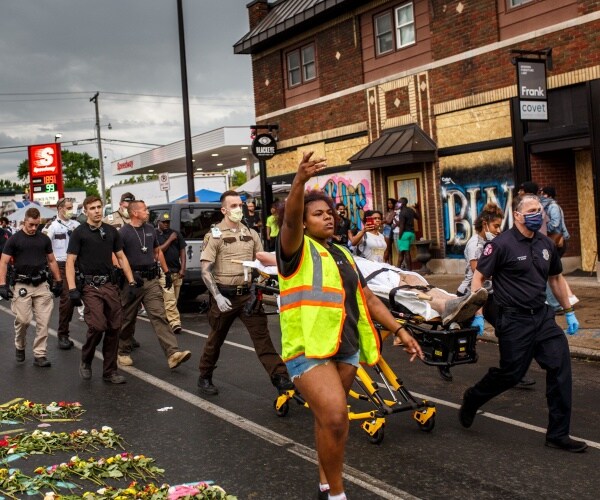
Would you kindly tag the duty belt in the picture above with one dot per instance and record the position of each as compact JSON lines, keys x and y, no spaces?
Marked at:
{"x":33,"y":279}
{"x":96,"y":279}
{"x":147,"y":272}
{"x":234,"y":290}
{"x":526,"y":311}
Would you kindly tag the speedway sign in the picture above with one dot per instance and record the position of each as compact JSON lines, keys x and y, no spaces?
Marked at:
{"x":45,"y":173}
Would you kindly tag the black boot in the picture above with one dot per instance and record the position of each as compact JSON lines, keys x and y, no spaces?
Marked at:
{"x":206,"y":386}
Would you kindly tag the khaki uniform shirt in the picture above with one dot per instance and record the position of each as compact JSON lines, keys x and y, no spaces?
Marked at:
{"x":116,"y":219}
{"x":239,"y":244}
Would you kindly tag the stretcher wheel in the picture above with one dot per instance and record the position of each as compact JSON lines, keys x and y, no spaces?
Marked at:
{"x":428,"y":425}
{"x":377,"y":437}
{"x":282,"y":411}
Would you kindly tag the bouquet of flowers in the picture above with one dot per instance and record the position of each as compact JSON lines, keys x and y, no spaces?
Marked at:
{"x":27,"y":410}
{"x":40,"y":442}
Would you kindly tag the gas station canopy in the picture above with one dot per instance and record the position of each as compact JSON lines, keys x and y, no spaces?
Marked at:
{"x":213,"y":151}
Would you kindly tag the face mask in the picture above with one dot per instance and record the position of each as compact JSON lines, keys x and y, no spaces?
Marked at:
{"x":235,"y":215}
{"x":533,"y":222}
{"x":68,"y":214}
{"x":125,"y":212}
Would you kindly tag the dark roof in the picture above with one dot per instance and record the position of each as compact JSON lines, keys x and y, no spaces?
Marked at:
{"x":397,"y":146}
{"x":288,"y":17}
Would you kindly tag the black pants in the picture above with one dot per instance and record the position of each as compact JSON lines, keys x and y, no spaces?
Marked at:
{"x":521,"y":338}
{"x":256,"y":324}
{"x":65,"y":306}
{"x":103,"y":317}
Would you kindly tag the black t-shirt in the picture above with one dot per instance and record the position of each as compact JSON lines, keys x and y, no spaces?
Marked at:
{"x":173,"y":250}
{"x":4,"y":235}
{"x":520,"y":267}
{"x":252,"y":221}
{"x":406,"y":219}
{"x":29,"y":252}
{"x":94,"y":252}
{"x":350,"y":280}
{"x":343,"y":226}
{"x":135,"y":239}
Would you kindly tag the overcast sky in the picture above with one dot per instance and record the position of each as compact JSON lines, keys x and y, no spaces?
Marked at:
{"x":128,"y":50}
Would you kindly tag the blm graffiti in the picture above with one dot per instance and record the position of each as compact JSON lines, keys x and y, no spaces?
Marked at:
{"x":353,"y":189}
{"x":464,"y":193}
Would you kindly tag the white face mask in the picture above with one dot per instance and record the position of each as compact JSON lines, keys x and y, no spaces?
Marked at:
{"x":68,"y":214}
{"x":235,"y":215}
{"x":489,"y":236}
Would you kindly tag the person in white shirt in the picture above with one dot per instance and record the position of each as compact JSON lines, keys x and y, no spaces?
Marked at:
{"x":369,"y":242}
{"x":59,"y":233}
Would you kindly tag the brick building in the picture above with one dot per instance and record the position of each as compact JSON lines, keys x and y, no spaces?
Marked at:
{"x":419,"y":99}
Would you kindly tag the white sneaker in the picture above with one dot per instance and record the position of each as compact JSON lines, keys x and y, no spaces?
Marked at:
{"x":124,"y":360}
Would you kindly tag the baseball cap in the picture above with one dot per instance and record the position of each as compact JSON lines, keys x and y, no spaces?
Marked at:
{"x":127,"y":197}
{"x":165,"y":217}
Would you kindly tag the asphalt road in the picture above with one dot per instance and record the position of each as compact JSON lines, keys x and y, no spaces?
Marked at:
{"x":237,"y":440}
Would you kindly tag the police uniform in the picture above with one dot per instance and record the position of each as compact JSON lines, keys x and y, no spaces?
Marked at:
{"x":525,"y":326}
{"x":32,"y":298}
{"x":138,"y":245}
{"x":93,"y":248}
{"x":59,"y":233}
{"x":222,"y":246}
{"x":116,"y":219}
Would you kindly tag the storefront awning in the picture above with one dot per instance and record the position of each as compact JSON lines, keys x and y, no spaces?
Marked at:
{"x":396,"y":146}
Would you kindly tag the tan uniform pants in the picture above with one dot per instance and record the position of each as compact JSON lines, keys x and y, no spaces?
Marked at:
{"x":37,"y":301}
{"x":170,"y":296}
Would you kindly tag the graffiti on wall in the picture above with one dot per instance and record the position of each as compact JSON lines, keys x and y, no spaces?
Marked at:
{"x":464,"y":193}
{"x":353,"y":189}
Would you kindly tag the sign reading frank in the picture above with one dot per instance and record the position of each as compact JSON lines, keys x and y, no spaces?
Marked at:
{"x":533,"y":98}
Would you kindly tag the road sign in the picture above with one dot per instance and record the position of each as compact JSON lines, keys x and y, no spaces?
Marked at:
{"x":163,"y":181}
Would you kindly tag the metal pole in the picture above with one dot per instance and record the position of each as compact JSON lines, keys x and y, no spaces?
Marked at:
{"x":262,"y":169}
{"x":100,"y":157}
{"x":189,"y":166}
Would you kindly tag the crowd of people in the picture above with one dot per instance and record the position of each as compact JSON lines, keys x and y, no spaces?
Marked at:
{"x":113,"y":266}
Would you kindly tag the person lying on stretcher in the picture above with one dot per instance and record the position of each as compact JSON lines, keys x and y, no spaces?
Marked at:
{"x":384,"y":276}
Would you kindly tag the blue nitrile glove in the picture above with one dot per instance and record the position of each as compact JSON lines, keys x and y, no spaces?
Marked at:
{"x":478,"y":323}
{"x":572,"y":323}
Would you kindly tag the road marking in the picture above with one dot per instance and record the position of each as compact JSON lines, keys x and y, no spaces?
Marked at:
{"x":500,"y":418}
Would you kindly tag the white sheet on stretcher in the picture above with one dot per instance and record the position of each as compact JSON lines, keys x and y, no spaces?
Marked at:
{"x":380,"y":285}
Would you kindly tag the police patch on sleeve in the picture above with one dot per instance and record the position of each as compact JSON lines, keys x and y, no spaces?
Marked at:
{"x":546,"y":254}
{"x":488,"y":250}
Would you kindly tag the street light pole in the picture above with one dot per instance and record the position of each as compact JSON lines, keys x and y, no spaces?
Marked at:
{"x":187,"y":133}
{"x":100,"y":157}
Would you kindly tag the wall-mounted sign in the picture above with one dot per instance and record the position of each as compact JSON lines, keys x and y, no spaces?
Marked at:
{"x":163,"y":181}
{"x":264,"y":146}
{"x":533,"y":97}
{"x":45,"y":173}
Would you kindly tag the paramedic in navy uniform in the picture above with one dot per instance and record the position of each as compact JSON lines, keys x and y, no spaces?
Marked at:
{"x":522,"y":261}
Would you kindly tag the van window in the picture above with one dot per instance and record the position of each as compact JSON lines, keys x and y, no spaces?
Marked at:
{"x":194,"y":225}
{"x":155,"y":214}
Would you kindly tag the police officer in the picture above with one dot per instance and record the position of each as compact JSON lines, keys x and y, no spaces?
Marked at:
{"x":59,"y":232}
{"x":140,"y":245}
{"x":522,"y":261}
{"x":121,"y":216}
{"x":172,"y":245}
{"x":93,"y":245}
{"x":31,"y":252}
{"x":227,"y":243}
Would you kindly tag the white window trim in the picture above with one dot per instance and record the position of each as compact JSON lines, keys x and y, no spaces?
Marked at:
{"x":512,"y":4}
{"x":398,"y":26}
{"x":379,"y":35}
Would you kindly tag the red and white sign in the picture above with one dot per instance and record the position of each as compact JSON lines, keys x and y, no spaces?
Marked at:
{"x":45,"y":173}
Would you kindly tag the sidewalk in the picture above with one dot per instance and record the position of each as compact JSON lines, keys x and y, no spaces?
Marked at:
{"x":586,"y":343}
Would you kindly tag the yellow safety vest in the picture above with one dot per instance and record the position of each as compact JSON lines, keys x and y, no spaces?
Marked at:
{"x":312,"y":309}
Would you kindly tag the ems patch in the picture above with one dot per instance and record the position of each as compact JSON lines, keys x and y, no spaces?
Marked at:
{"x":487,"y":250}
{"x":546,"y":254}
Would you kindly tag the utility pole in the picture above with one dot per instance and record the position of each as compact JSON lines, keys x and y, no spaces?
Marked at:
{"x":100,"y":157}
{"x":187,"y":133}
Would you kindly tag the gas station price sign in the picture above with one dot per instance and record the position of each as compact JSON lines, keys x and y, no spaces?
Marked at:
{"x":45,"y":173}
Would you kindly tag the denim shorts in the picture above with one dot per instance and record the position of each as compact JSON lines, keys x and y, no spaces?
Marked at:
{"x":301,"y":364}
{"x":387,"y":230}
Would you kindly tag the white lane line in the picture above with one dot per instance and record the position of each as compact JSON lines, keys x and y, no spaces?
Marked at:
{"x":493,"y":416}
{"x":351,"y":474}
